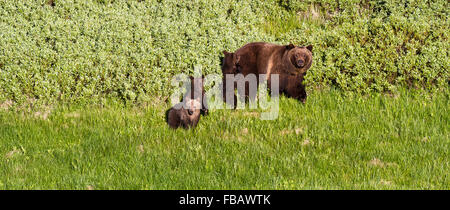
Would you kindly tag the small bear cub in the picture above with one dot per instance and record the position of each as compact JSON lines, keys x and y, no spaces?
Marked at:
{"x":187,"y":113}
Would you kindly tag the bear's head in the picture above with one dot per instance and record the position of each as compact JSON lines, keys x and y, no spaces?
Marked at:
{"x":230,"y":63}
{"x":300,"y":57}
{"x":193,"y":107}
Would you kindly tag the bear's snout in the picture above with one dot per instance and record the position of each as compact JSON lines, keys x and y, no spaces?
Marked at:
{"x":300,"y":63}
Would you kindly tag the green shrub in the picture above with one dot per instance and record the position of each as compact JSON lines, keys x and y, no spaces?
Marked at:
{"x":364,"y":46}
{"x":91,"y":50}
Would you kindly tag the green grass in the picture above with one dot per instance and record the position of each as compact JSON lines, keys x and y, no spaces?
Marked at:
{"x":331,"y":142}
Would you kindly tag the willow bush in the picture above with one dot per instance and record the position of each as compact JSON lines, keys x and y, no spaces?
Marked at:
{"x":91,"y":50}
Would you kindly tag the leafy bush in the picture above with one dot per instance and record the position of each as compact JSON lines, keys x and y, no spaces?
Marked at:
{"x":375,"y":45}
{"x":91,"y":50}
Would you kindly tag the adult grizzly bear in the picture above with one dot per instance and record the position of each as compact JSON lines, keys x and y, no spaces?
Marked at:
{"x":266,"y":58}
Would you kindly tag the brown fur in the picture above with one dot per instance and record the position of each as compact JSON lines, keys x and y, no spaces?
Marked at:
{"x":292,"y":86}
{"x":183,"y":118}
{"x":230,"y":65}
{"x":267,"y":58}
{"x":188,"y":115}
{"x":289,"y":61}
{"x":196,"y":91}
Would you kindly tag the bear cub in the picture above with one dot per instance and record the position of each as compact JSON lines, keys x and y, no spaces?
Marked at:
{"x":186,"y":118}
{"x":186,"y":114}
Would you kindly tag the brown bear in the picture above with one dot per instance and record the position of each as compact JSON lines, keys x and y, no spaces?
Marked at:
{"x":187,"y":113}
{"x":186,"y":118}
{"x":230,"y":65}
{"x":266,"y":58}
{"x":292,"y":86}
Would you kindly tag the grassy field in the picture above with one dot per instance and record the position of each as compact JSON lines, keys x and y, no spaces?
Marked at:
{"x":83,"y":83}
{"x":333,"y":141}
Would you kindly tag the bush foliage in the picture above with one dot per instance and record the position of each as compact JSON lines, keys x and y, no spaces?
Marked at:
{"x":90,"y":50}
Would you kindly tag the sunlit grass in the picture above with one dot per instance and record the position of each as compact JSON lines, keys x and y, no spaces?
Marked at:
{"x":331,"y":142}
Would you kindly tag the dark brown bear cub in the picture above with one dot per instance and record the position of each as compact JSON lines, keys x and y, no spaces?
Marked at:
{"x":186,"y":118}
{"x":187,"y":113}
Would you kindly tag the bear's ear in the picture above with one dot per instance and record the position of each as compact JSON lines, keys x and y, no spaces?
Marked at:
{"x":290,"y":46}
{"x":225,"y":52}
{"x":309,"y":47}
